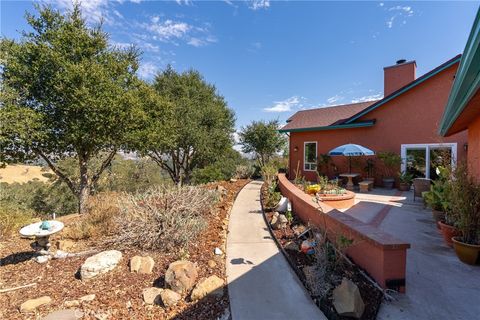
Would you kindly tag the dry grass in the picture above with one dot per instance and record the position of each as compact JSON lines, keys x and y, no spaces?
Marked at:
{"x":22,"y":173}
{"x":163,"y":218}
{"x":98,"y":221}
{"x":12,"y":219}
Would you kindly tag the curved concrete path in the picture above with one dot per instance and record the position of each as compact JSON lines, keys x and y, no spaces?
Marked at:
{"x":261,"y":283}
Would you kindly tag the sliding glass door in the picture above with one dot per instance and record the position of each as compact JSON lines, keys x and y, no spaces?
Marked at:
{"x":422,"y":160}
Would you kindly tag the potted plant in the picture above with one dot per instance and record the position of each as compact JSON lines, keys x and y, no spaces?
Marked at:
{"x":369,"y":167}
{"x":405,"y":179}
{"x":464,"y":197}
{"x":391,"y":163}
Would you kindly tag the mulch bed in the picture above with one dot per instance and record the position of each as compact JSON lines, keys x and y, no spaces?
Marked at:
{"x":290,"y":243}
{"x":118,"y":292}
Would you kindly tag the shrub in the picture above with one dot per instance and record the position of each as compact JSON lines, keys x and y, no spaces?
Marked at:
{"x":391,"y":163}
{"x":163,"y":218}
{"x":208,"y":174}
{"x":244,"y":171}
{"x":12,"y":219}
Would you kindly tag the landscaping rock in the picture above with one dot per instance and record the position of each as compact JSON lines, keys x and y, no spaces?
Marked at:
{"x":32,"y":304}
{"x":181,"y":276}
{"x":42,"y":259}
{"x":169,"y":297}
{"x":218,"y":251}
{"x":347,"y":300}
{"x":71,"y":303}
{"x":65,"y":245}
{"x":212,"y":285}
{"x":212,"y":263}
{"x":152,"y":295}
{"x":221,"y":190}
{"x":69,"y":314}
{"x":100,"y":263}
{"x":142,"y":264}
{"x":87,"y":298}
{"x":279,"y":221}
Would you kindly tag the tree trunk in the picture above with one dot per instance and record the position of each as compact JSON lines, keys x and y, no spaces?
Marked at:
{"x":84,"y":187}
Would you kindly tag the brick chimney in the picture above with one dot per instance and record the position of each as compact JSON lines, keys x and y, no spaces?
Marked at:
{"x":398,"y":75}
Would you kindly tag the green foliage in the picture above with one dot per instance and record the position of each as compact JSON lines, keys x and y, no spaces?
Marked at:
{"x":463,"y":197}
{"x":244,"y":171}
{"x":289,"y":216}
{"x":273,"y":199}
{"x":189,"y":128}
{"x":224,"y":168}
{"x":391,"y":162}
{"x":323,"y":164}
{"x":437,"y":198}
{"x":269,"y":172}
{"x":405,"y":177}
{"x":369,"y":167}
{"x":262,"y":139}
{"x":66,"y":93}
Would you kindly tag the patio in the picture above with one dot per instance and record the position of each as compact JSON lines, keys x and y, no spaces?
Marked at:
{"x":439,"y":286}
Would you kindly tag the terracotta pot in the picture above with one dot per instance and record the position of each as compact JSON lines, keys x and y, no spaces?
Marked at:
{"x":448,"y":233}
{"x":438,"y":216}
{"x":467,"y":253}
{"x":404,"y":186}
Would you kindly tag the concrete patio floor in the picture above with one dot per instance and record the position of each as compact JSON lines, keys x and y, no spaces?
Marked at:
{"x":439,"y":286}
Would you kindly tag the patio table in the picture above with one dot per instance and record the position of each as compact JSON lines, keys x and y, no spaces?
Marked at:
{"x":350,"y":177}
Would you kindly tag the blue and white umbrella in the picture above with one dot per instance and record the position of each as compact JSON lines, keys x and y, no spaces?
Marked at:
{"x":351,"y":150}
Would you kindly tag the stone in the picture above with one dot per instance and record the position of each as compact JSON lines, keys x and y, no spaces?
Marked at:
{"x":233,"y":180}
{"x":169,"y":298}
{"x":152,"y":295}
{"x":221,"y":190}
{"x":135,"y":263}
{"x":69,"y":314}
{"x":42,"y":258}
{"x":279,"y":221}
{"x":87,"y":298}
{"x":218,"y":251}
{"x":71,"y":303}
{"x":181,"y":276}
{"x":65,"y":245}
{"x":100,"y":263}
{"x":211,"y":286}
{"x":212,"y":263}
{"x":32,"y":304}
{"x":347,"y":300}
{"x":142,"y":265}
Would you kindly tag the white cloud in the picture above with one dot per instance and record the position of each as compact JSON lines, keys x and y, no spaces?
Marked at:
{"x":399,"y":12}
{"x":168,"y":29}
{"x":147,"y":70}
{"x":93,"y":10}
{"x":381,"y":4}
{"x":334,"y":99}
{"x":286,"y":105}
{"x":185,"y":2}
{"x":371,"y":97}
{"x":259,"y":4}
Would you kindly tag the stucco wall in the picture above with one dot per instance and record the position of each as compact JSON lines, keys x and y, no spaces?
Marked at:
{"x":411,"y":118}
{"x":474,"y":148}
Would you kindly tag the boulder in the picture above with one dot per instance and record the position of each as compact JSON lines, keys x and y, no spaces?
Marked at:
{"x":181,"y":276}
{"x":100,"y":263}
{"x":69,"y":314}
{"x":169,"y":297}
{"x":347,"y":300}
{"x":152,"y":295}
{"x":32,"y":304}
{"x":211,"y":286}
{"x":142,"y":264}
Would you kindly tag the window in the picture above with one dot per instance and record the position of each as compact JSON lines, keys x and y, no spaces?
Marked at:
{"x":422,"y":160}
{"x":310,"y":156}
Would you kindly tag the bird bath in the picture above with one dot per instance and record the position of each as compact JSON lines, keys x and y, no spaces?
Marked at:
{"x":42,"y":232}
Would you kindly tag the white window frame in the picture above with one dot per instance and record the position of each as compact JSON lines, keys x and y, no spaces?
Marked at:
{"x":427,"y":147}
{"x":305,"y":156}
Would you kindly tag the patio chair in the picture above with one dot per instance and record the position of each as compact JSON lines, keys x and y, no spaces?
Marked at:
{"x":420,"y":185}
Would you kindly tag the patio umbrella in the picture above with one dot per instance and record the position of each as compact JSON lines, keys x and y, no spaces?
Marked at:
{"x":351,"y":150}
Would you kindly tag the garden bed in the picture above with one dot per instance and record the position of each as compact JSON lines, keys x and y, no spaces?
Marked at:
{"x":119,"y":292}
{"x":289,"y":240}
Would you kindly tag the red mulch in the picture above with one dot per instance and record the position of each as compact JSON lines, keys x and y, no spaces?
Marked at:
{"x":287,"y":238}
{"x":118,"y":292}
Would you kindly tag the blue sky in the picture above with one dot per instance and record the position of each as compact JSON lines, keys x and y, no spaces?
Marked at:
{"x":271,"y":58}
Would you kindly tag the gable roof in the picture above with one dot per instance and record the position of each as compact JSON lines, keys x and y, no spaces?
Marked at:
{"x":346,"y":116}
{"x":313,"y":119}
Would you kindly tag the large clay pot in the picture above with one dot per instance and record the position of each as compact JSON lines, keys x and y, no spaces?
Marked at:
{"x":467,"y":253}
{"x":404,"y":186}
{"x":448,"y":233}
{"x":388,"y":183}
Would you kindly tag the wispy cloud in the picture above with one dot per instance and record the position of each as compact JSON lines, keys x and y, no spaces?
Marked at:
{"x":147,"y":70}
{"x":183,"y":2}
{"x":286,"y":105}
{"x":335,"y":99}
{"x":254,"y":47}
{"x":371,"y":97}
{"x":259,"y":4}
{"x":398,"y":12}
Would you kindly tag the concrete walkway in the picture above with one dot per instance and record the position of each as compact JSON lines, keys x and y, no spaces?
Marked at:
{"x":261,"y":283}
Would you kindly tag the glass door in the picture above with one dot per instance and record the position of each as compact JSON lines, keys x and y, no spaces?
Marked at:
{"x":416,"y":162}
{"x":439,"y":156}
{"x":422,"y":160}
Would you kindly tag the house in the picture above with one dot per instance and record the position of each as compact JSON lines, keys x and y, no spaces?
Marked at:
{"x":405,"y":121}
{"x":462,"y":110}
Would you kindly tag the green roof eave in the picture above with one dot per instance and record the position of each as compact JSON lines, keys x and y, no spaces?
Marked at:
{"x":404,"y":89}
{"x":467,"y":80}
{"x":333,"y":127}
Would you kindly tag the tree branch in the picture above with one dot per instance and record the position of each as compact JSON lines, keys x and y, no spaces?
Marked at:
{"x":104,"y":165}
{"x":57,"y":171}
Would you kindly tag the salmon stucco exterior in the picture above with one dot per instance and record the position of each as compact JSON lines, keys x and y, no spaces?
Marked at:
{"x":405,"y":122}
